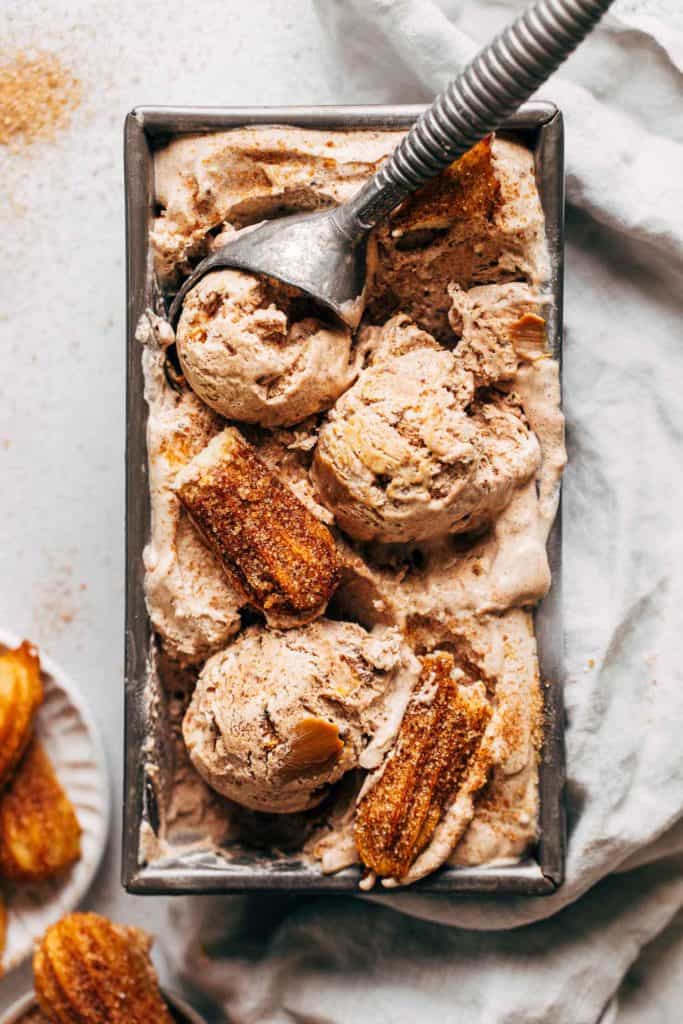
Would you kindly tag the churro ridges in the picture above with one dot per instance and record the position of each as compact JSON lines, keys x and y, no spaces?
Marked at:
{"x":276,"y":552}
{"x":21,"y":694}
{"x":89,"y":970}
{"x":437,"y":747}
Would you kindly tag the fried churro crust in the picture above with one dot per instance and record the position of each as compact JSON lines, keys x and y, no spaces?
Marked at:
{"x":90,"y":971}
{"x":276,"y":552}
{"x":39,"y":832}
{"x":437,"y":752}
{"x":21,"y":694}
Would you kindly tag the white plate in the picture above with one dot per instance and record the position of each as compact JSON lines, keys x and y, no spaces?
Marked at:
{"x":75,"y":748}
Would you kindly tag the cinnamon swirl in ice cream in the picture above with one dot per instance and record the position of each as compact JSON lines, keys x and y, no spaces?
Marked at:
{"x":252,"y":357}
{"x":410,"y":452}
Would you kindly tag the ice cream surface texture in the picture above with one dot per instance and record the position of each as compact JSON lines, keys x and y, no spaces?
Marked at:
{"x":349,"y":524}
{"x":246,"y":354}
{"x":190,"y":601}
{"x":279,"y":716}
{"x":410,"y":453}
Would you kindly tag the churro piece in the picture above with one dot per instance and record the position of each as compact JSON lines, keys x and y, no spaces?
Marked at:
{"x":21,"y":694}
{"x":90,"y":971}
{"x":479,"y":221}
{"x":273,"y":549}
{"x":438,"y":752}
{"x":39,"y":832}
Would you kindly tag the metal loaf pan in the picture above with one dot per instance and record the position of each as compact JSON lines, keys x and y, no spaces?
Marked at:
{"x":539,"y":126}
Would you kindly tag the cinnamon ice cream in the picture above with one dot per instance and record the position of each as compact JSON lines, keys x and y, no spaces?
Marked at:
{"x":251,"y":357}
{"x":190,"y":601}
{"x":429,"y":442}
{"x":410,"y":453}
{"x":224,"y":181}
{"x":279,"y":716}
{"x":499,"y":325}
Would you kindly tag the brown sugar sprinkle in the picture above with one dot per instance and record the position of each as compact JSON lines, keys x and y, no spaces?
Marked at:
{"x":37,"y":96}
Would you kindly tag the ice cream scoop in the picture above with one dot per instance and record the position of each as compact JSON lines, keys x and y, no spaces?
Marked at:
{"x":323,"y":253}
{"x":277,"y":717}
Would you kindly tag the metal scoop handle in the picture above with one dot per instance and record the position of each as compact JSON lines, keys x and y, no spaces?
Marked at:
{"x":323,"y":253}
{"x":491,"y":88}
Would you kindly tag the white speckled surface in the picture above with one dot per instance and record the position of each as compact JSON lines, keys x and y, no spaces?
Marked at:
{"x":62,"y":309}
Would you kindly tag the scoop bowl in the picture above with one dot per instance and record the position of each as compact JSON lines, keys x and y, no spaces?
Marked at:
{"x":311,"y":251}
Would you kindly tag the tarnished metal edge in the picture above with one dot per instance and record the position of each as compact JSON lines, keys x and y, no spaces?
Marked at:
{"x":522,"y":879}
{"x":161,"y":122}
{"x":549,"y":618}
{"x":145,"y":128}
{"x":138,"y":171}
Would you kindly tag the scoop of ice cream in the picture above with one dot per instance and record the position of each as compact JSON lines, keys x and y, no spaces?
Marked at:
{"x":247,"y":352}
{"x":498,"y":325}
{"x":279,"y":716}
{"x":411,"y":452}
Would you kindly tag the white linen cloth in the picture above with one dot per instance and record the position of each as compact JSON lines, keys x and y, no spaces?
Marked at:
{"x":607,"y":946}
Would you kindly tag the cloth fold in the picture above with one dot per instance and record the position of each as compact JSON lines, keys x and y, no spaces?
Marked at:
{"x":391,"y":957}
{"x":336,"y":960}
